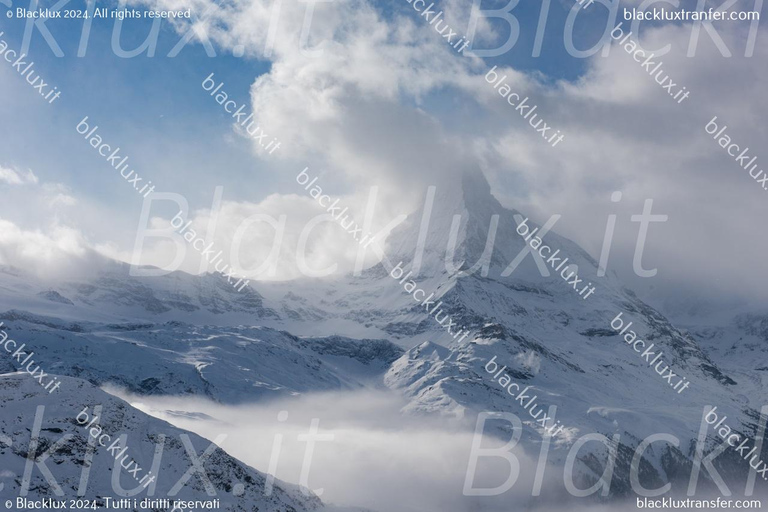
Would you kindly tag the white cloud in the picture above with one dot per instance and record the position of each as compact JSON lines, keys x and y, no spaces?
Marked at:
{"x":35,"y":231}
{"x":43,"y":251}
{"x":378,"y":458}
{"x":624,"y":132}
{"x":352,"y":115}
{"x":58,"y":194}
{"x":13,"y":177}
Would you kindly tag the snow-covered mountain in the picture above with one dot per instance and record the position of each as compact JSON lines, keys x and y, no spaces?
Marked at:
{"x":195,"y":335}
{"x":527,"y":318}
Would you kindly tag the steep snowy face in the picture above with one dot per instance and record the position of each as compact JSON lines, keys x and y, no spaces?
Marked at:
{"x":83,"y":442}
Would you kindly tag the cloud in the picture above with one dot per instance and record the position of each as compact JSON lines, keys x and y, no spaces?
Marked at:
{"x":388,"y":104}
{"x":359,"y":113}
{"x":284,"y":236}
{"x":36,"y":233}
{"x":58,"y":194}
{"x":349,"y":103}
{"x":343,"y":83}
{"x":46,"y":252}
{"x":13,"y":177}
{"x":625,"y":133}
{"x":377,"y":459}
{"x":344,"y":94}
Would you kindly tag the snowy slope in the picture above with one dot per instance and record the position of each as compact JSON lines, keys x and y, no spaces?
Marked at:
{"x":740,"y":345}
{"x":65,"y":441}
{"x":226,"y":364}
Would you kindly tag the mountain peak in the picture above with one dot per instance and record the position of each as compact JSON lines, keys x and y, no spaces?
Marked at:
{"x":458,"y":227}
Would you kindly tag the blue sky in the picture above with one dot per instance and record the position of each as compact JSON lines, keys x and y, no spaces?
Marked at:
{"x":152,"y":107}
